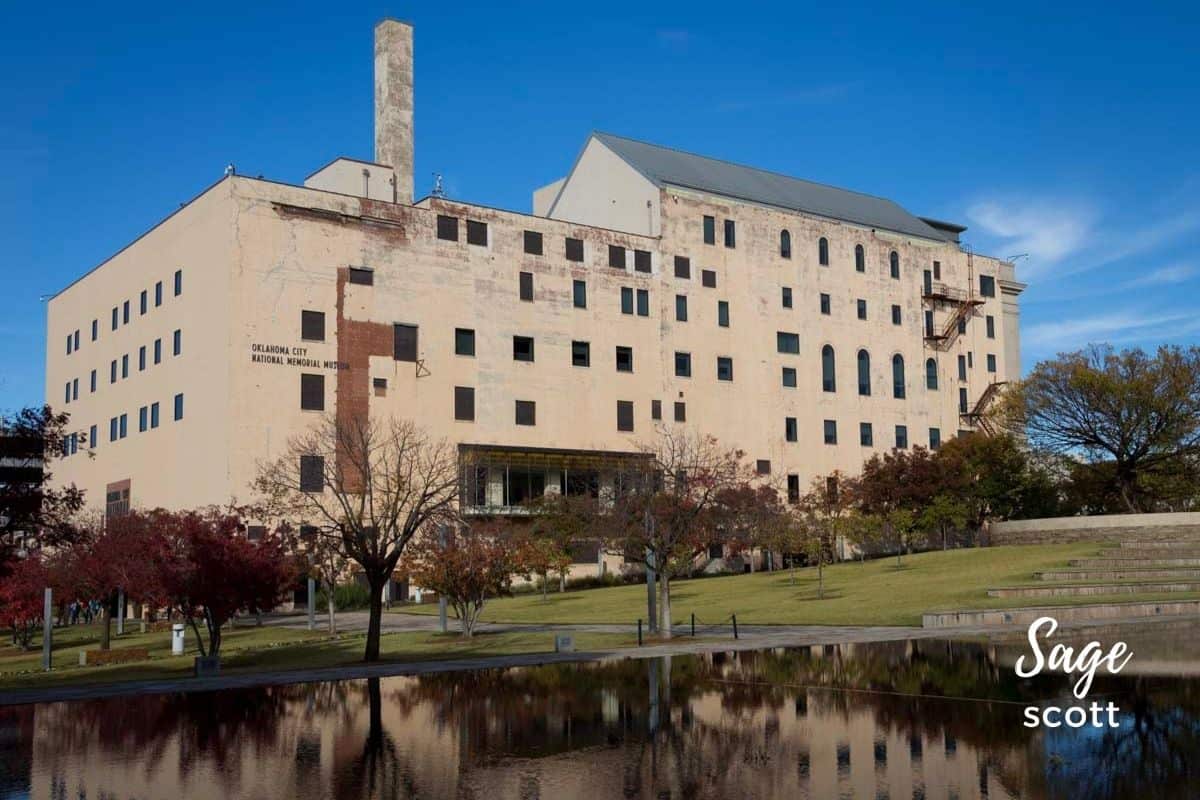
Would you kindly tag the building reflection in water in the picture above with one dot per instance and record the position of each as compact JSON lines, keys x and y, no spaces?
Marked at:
{"x":874,"y":721}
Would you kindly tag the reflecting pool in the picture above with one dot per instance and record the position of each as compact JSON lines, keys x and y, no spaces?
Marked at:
{"x":910,"y":719}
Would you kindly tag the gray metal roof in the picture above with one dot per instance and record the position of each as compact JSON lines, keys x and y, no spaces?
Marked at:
{"x":664,"y":166}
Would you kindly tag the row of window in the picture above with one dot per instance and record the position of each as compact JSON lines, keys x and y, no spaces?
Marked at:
{"x":118,"y":426}
{"x":533,"y":243}
{"x":118,"y":369}
{"x":121,"y":313}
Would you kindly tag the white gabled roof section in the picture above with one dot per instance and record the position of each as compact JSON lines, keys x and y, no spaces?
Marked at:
{"x":605,"y":190}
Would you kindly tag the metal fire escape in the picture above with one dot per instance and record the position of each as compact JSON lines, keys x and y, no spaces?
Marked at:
{"x":977,"y":417}
{"x":961,"y":303}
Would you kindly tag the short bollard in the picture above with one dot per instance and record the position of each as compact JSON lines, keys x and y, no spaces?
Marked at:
{"x":177,"y":639}
{"x":734,"y":625}
{"x":639,"y":631}
{"x":564,"y":643}
{"x":693,"y":625}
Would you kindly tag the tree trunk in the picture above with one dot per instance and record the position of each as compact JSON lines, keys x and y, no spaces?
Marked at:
{"x":562,"y":582}
{"x":331,"y":607}
{"x":375,"y":616}
{"x":105,"y":617}
{"x":821,"y":577}
{"x":664,"y":606}
{"x":545,"y":585}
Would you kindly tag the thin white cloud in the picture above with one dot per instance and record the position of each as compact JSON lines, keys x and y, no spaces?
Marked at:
{"x":1048,"y":232}
{"x":1163,"y":276}
{"x":1126,"y":325}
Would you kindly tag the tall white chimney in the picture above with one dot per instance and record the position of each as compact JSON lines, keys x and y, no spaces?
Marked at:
{"x":394,"y":103}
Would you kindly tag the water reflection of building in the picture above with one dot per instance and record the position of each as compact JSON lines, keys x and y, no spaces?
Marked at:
{"x":848,"y":721}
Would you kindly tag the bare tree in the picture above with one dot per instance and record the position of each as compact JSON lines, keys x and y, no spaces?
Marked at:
{"x":366,"y":487}
{"x":323,"y":559}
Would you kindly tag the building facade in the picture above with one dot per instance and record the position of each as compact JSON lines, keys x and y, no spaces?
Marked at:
{"x":807,"y":325}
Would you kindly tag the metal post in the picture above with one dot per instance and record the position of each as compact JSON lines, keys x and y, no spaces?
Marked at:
{"x":120,"y":611}
{"x":47,"y":628}
{"x":651,"y":600}
{"x":734,"y":626}
{"x":443,"y":625}
{"x":312,"y":604}
{"x":693,"y":624}
{"x":639,"y":631}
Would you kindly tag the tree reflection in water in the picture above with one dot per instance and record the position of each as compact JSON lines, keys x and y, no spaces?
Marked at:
{"x":816,"y":720}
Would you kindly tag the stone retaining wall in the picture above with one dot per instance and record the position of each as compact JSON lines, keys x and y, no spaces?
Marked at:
{"x":1107,"y":528}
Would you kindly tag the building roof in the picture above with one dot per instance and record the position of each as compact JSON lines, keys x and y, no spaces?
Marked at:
{"x":664,"y":166}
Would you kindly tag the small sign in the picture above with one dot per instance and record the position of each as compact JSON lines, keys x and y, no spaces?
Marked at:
{"x":564,"y":643}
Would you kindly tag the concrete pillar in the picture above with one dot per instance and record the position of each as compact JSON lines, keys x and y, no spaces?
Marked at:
{"x":47,"y":628}
{"x":312,"y":604}
{"x":120,"y":612}
{"x":394,"y":103}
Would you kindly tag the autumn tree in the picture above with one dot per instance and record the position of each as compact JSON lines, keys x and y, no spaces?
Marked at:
{"x":753,"y":517}
{"x":467,"y":565}
{"x":320,"y":557}
{"x":1137,"y":412}
{"x":210,"y":571}
{"x":22,"y":598}
{"x":367,"y":488}
{"x":667,"y":509}
{"x":33,"y":513}
{"x":544,"y":555}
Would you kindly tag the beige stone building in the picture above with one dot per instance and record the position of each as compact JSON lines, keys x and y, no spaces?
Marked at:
{"x":808,"y":325}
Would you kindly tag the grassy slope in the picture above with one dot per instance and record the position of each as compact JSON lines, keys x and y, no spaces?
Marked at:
{"x":870,"y":593}
{"x":268,"y":649}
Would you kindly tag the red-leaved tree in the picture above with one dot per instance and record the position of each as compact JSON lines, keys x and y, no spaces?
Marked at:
{"x":21,"y":598}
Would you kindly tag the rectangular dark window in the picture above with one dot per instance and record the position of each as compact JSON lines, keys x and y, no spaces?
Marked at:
{"x":312,"y":473}
{"x":362,"y":276}
{"x":683,"y":365}
{"x":962,"y":325}
{"x":404,"y":342}
{"x":125,"y":313}
{"x":178,"y":407}
{"x":312,"y":326}
{"x":991,"y":362}
{"x":123,"y":424}
{"x":862,"y":309}
{"x":625,"y":415}
{"x":895,"y":315}
{"x":990,"y":321}
{"x":826,"y":305}
{"x":656,"y":409}
{"x":643,"y":303}
{"x":178,"y":282}
{"x":683,"y":267}
{"x":312,"y":392}
{"x":143,"y":419}
{"x":830,"y":431}
{"x":379,"y":385}
{"x":626,"y":300}
{"x":962,"y":368}
{"x":157,"y":294}
{"x":710,"y":230}
{"x":866,"y":434}
{"x":937,"y":270}
{"x":143,"y":302}
{"x":447,"y":228}
{"x":730,"y":233}
{"x":581,"y":354}
{"x":790,"y":430}
{"x":464,"y":403}
{"x":70,"y":343}
{"x":987,"y":286}
{"x":526,"y":286}
{"x":902,"y":436}
{"x":116,"y":317}
{"x":112,"y":371}
{"x":723,"y":313}
{"x":786,"y":296}
{"x":533,"y":243}
{"x":793,"y":489}
{"x":616,"y":256}
{"x":125,"y":366}
{"x":762,"y":467}
{"x":464,"y":342}
{"x":93,"y":381}
{"x":789,"y":377}
{"x":177,"y":342}
{"x":154,"y":415}
{"x":92,"y":434}
{"x":157,"y":351}
{"x":624,"y":359}
{"x":579,"y":293}
{"x":724,"y":368}
{"x":787,"y":342}
{"x":641,"y":260}
{"x":526,"y":412}
{"x":681,"y":412}
{"x":928,"y":323}
{"x":681,"y":308}
{"x":935,"y":438}
{"x":141,"y":358}
{"x":574,"y":249}
{"x":962,"y":401}
{"x":112,"y":429}
{"x":522,"y":348}
{"x":477,"y":233}
{"x":708,"y":278}
{"x":95,"y":329}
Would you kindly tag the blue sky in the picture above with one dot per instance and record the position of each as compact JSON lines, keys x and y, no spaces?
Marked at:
{"x":1067,"y":133}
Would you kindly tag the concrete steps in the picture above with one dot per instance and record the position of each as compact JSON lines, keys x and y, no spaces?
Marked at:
{"x":1171,"y":544}
{"x":1095,"y":589}
{"x":1151,"y":552}
{"x":1130,"y":574}
{"x":1133,"y":563}
{"x":1096,"y":612}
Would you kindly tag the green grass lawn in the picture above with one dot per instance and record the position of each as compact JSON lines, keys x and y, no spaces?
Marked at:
{"x":267,"y":648}
{"x":874,"y":592}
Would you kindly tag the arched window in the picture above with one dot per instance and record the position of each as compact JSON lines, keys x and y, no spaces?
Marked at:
{"x":823,"y":251}
{"x":864,"y":373}
{"x":898,"y":376}
{"x":931,"y":374}
{"x":785,"y":244}
{"x":828,"y":381}
{"x":860,"y":259}
{"x":894,"y":260}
